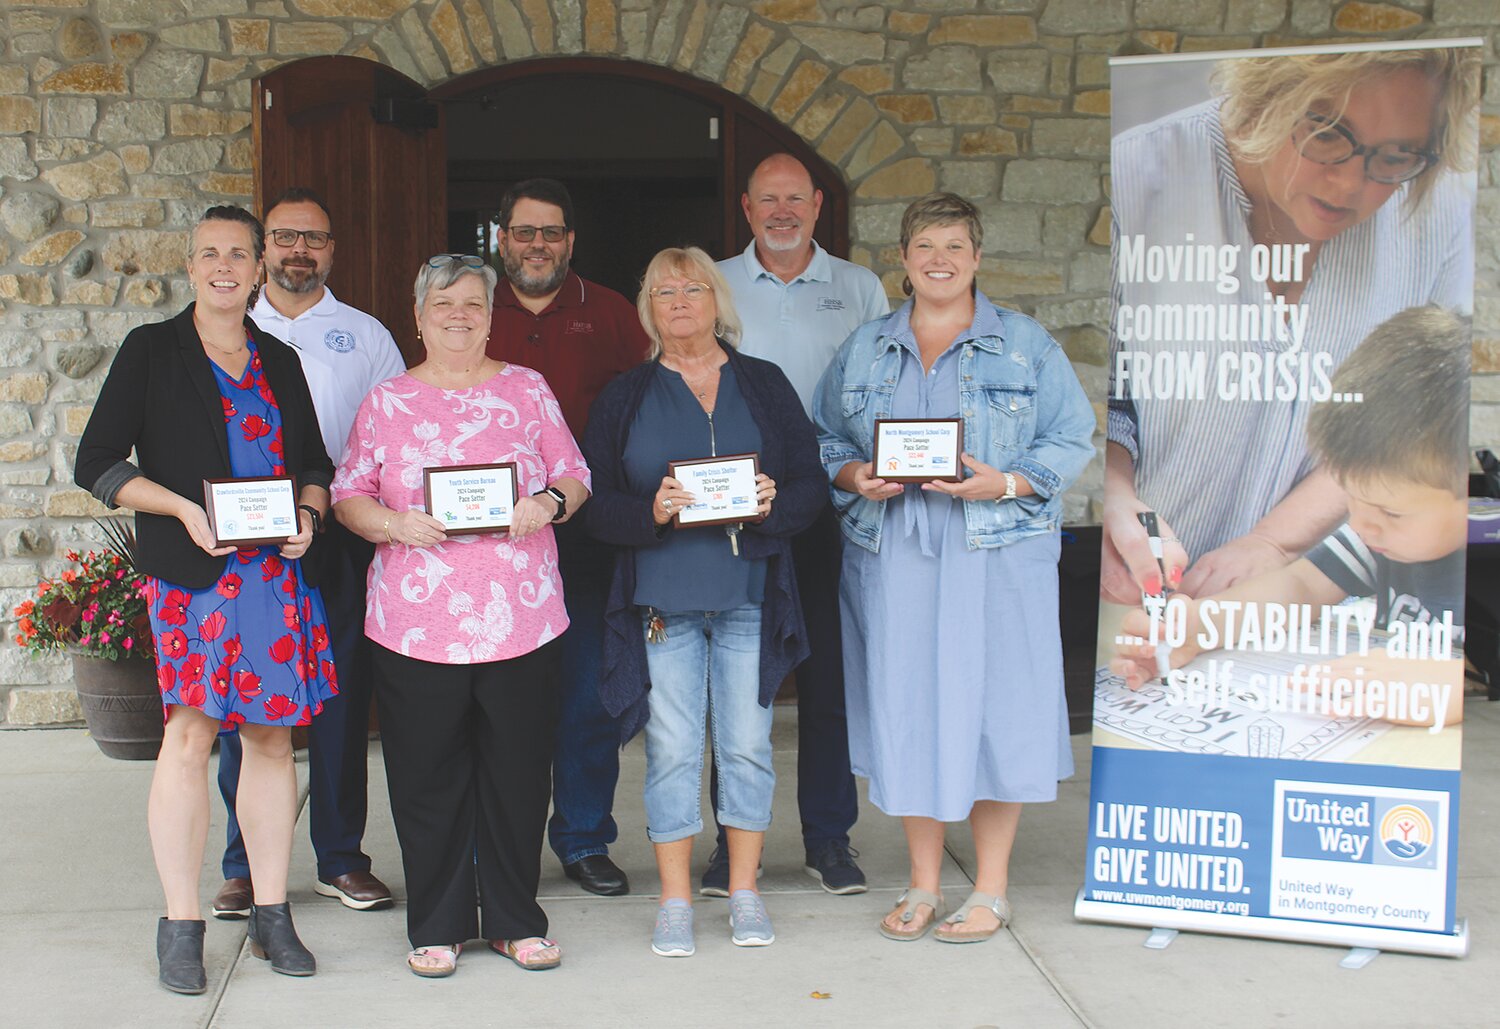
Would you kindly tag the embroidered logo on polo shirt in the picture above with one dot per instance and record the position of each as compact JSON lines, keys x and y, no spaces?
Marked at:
{"x":339,"y":341}
{"x":830,"y":304}
{"x":576,"y":325}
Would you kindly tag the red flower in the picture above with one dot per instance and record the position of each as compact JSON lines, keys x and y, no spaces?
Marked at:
{"x":232,"y":719}
{"x":270,"y":568}
{"x":307,"y":609}
{"x":289,"y":616}
{"x":192,"y":667}
{"x":233,"y":648}
{"x":307,"y":666}
{"x":213,"y":626}
{"x":229,"y":585}
{"x":247,"y":684}
{"x":221,"y":680}
{"x":191,"y":694}
{"x":229,"y":411}
{"x":253,"y":427}
{"x":279,"y":707}
{"x":244,"y":557}
{"x":320,"y":638}
{"x":174,"y":608}
{"x":307,"y":714}
{"x":275,"y":446}
{"x":332,"y":675}
{"x":173,"y":644}
{"x":284,"y":649}
{"x":166,"y":679}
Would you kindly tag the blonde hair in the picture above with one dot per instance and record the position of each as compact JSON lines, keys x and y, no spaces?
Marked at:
{"x":688,"y":263}
{"x":1264,"y":97}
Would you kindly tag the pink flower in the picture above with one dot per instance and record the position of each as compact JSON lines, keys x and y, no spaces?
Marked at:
{"x":128,"y":643}
{"x":104,"y":637}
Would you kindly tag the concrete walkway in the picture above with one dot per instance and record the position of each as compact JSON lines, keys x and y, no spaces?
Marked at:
{"x":79,"y":901}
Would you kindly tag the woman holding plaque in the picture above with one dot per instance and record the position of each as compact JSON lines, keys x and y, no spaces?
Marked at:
{"x":465,"y":626}
{"x":1343,"y":170}
{"x":704,"y":616}
{"x":241,"y":642}
{"x":952,"y":656}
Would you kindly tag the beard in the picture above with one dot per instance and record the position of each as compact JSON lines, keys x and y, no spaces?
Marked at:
{"x":298,"y":278}
{"x":783,"y":244}
{"x":535,"y":284}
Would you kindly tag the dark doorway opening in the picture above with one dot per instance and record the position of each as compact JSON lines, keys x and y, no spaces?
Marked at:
{"x":641,"y":161}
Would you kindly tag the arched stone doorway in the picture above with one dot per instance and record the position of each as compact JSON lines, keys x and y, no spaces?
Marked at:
{"x":383,"y":150}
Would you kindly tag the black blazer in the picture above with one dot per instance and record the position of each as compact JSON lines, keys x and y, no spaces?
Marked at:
{"x":161,"y":399}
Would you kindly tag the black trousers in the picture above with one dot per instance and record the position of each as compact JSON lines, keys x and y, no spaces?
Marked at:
{"x":468,"y":756}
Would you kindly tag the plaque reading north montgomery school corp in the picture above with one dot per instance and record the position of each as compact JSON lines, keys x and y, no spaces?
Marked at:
{"x":469,"y":498}
{"x":251,"y":512}
{"x":919,"y":449}
{"x":724,"y":486}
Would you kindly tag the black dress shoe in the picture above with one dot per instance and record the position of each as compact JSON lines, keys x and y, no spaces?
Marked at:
{"x":598,"y":874}
{"x":179,"y":953}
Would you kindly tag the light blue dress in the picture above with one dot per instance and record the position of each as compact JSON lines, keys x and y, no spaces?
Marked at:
{"x":952,"y":657}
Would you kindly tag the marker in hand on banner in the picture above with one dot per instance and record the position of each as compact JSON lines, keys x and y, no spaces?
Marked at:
{"x":1153,"y":536}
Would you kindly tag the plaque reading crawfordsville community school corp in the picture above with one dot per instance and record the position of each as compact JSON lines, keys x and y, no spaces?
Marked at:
{"x":251,"y":512}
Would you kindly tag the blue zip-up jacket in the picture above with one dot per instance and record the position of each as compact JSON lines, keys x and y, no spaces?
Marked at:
{"x":788,"y":454}
{"x":1023,"y":409}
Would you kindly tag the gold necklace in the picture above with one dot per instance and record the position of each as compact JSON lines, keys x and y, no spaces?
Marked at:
{"x":203,"y":336}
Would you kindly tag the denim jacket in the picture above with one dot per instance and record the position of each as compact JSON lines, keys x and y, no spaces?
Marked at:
{"x":1022,"y":407}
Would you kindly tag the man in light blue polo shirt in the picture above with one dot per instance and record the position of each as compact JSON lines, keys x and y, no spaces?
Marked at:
{"x":798,"y":303}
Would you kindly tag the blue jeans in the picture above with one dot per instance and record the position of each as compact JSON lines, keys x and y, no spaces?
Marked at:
{"x":709,"y":665}
{"x":586,"y":759}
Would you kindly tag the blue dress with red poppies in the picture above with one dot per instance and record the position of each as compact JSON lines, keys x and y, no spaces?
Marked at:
{"x":254,"y":646}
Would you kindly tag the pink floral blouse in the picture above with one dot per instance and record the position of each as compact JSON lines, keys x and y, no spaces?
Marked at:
{"x":470,"y":598}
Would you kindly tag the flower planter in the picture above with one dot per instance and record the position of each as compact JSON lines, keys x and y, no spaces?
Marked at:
{"x":121,"y":704}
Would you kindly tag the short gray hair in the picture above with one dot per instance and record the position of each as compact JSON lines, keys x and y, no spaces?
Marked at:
{"x":445,"y":273}
{"x":688,"y":263}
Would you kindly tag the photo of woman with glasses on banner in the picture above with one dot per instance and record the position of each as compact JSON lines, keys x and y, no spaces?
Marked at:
{"x":464,"y":627}
{"x":1258,"y":237}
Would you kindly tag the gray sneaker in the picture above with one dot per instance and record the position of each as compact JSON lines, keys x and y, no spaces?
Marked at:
{"x":749,"y":924}
{"x":673,"y":935}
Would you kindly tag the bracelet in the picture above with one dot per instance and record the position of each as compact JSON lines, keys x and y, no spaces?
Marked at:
{"x":387,"y":528}
{"x":1010,"y":488}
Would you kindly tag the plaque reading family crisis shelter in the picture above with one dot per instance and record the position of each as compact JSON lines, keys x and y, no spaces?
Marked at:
{"x":469,"y":498}
{"x":919,"y":449}
{"x":251,"y":512}
{"x":724,"y":488}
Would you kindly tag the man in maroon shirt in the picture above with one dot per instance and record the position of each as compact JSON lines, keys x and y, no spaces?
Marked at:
{"x":579,"y":335}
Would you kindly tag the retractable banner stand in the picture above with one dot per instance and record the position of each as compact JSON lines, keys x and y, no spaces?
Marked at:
{"x":1279,"y":695}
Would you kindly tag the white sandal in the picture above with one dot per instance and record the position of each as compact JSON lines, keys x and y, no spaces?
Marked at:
{"x":999,"y":905}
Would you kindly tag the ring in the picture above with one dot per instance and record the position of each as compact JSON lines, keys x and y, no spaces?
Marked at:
{"x":1171,"y":539}
{"x":666,"y":505}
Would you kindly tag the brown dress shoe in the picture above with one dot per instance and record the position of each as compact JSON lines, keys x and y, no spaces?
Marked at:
{"x":233,"y":899}
{"x":358,"y":890}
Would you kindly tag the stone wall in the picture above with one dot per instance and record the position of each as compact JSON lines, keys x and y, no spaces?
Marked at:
{"x":120,"y":120}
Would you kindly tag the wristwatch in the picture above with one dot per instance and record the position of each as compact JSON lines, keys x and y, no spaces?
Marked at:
{"x":1010,"y":488}
{"x":317,"y":519}
{"x":559,"y":496}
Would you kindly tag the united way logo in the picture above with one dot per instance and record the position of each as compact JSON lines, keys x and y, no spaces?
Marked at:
{"x":339,"y":341}
{"x":1406,"y":832}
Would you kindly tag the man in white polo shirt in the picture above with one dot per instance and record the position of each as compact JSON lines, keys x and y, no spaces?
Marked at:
{"x":798,"y":303}
{"x":345,"y":353}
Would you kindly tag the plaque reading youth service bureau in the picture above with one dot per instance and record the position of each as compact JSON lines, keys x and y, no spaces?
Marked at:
{"x":724,"y":486}
{"x":919,"y":449}
{"x":251,"y":512}
{"x":469,"y":498}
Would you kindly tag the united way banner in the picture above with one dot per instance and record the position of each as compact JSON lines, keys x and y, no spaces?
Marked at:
{"x":1279,"y":695}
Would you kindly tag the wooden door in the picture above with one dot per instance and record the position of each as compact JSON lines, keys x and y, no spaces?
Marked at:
{"x":369,"y":142}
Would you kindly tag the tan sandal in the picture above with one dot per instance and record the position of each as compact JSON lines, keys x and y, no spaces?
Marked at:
{"x":526,"y":953}
{"x":999,"y":905}
{"x":447,"y":961}
{"x":914,"y":898}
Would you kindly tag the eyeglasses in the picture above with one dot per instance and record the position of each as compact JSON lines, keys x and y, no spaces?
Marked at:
{"x":1323,"y":140}
{"x":317,"y":239}
{"x":467,"y":260}
{"x":527,"y":233}
{"x":693,"y":291}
